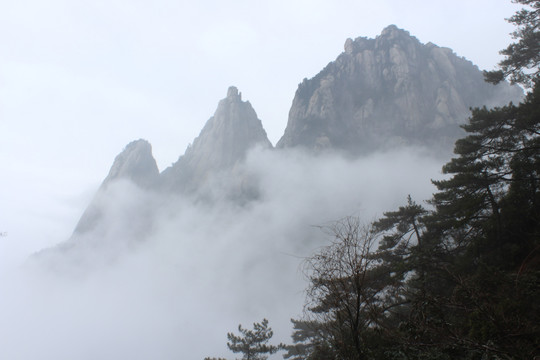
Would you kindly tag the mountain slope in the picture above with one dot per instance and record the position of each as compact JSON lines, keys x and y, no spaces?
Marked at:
{"x":135,"y":164}
{"x":379,"y":94}
{"x":386,"y":92}
{"x":222,"y":144}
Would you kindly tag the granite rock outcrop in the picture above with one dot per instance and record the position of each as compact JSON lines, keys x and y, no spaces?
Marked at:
{"x":388,"y":92}
{"x":222,"y":144}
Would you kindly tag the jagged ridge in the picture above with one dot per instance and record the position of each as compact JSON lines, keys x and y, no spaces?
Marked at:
{"x":223,"y":142}
{"x":379,"y":93}
{"x":136,"y":164}
{"x":386,"y":92}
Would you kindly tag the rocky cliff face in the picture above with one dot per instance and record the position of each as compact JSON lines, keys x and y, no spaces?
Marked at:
{"x":222,"y":144}
{"x":389,"y":91}
{"x":135,"y":164}
{"x":380,"y":93}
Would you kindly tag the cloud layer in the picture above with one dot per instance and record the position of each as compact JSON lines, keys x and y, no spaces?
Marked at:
{"x":174,"y":287}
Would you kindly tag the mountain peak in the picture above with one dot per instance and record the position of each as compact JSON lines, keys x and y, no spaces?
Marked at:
{"x":393,"y":31}
{"x":389,"y":91}
{"x":223,"y":142}
{"x":233,"y":94}
{"x":390,"y":34}
{"x":135,"y":163}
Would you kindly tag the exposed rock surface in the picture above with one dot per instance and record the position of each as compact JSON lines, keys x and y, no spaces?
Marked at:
{"x":135,"y":164}
{"x":378,"y":94}
{"x":389,"y":91}
{"x":222,"y":144}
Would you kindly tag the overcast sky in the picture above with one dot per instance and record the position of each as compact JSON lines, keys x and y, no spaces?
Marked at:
{"x":79,"y":80}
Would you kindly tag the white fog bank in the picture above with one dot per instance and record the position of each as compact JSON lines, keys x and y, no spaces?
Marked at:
{"x":199,"y":269}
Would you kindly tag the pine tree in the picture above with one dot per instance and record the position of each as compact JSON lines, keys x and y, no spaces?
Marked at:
{"x":310,"y":341}
{"x":523,"y":56}
{"x":487,"y":217}
{"x":350,"y":298}
{"x":461,"y":280}
{"x":253,"y":344}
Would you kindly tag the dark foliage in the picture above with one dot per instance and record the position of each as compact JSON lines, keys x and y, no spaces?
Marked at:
{"x":252,"y":344}
{"x":462,"y":279}
{"x":523,"y":56}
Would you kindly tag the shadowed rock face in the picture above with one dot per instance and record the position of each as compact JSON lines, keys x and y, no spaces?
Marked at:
{"x":222,"y":144}
{"x":378,"y":94}
{"x":389,"y":91}
{"x":121,"y":209}
{"x":135,"y":164}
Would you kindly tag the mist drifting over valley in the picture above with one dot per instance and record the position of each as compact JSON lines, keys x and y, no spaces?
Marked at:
{"x":164,"y":262}
{"x":176,"y":290}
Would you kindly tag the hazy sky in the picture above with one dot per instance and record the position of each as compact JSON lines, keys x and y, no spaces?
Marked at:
{"x":79,"y":80}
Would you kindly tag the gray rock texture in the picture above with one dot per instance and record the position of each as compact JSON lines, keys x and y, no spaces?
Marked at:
{"x":378,"y":94}
{"x":389,"y":91}
{"x":135,"y":164}
{"x":222,"y":144}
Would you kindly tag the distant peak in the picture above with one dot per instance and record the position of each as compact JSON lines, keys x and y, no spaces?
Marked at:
{"x":136,"y":163}
{"x":349,"y":46}
{"x":389,"y":34}
{"x":352,"y":46}
{"x":391,"y":27}
{"x":141,"y":144}
{"x":233,"y":94}
{"x":393,"y":30}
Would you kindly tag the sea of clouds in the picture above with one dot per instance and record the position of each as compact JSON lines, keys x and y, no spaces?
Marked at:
{"x":166,"y":277}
